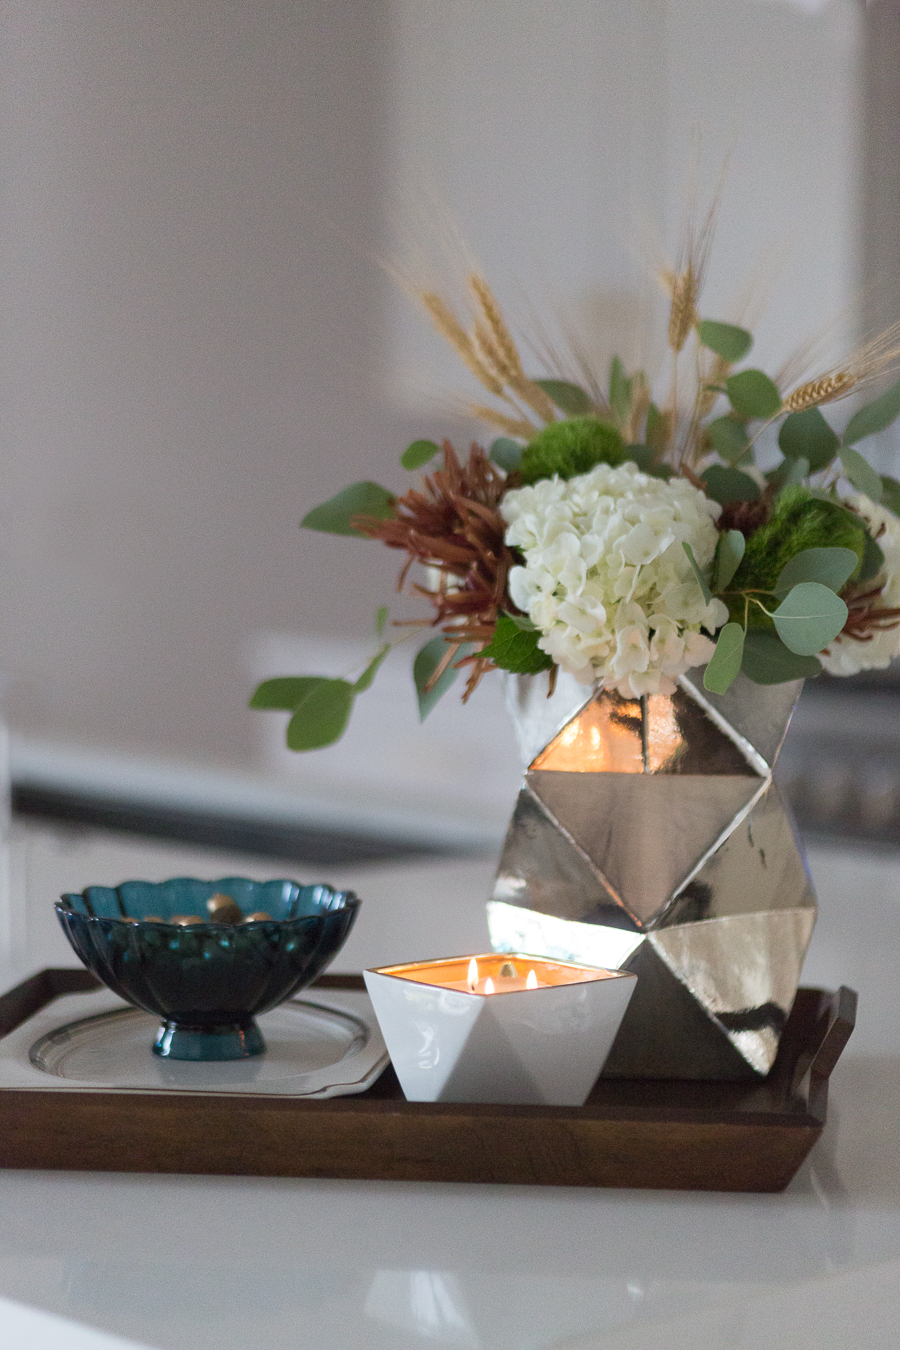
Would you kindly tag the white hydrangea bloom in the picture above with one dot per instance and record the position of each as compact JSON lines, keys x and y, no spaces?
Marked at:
{"x":846,"y":655}
{"x":606,"y":579}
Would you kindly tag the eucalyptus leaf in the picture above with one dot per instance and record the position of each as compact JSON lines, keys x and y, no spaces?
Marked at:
{"x":725,"y":339}
{"x":418,"y":454}
{"x":322,"y":715}
{"x":381,"y":618}
{"x":427,"y":660}
{"x":753,"y":394}
{"x":874,"y":416}
{"x":873,"y":560}
{"x":641,"y":455}
{"x":729,"y":438}
{"x":796,"y":471}
{"x":729,"y":485}
{"x":507,"y":453}
{"x":809,"y":617}
{"x":569,"y":398}
{"x":729,"y":552}
{"x":890,"y":493}
{"x":768,"y":661}
{"x":359,"y":499}
{"x":619,"y":389}
{"x":644,"y":456}
{"x":657,"y":428}
{"x":806,"y":435}
{"x":284,"y":693}
{"x":832,"y":567}
{"x":701,"y":579}
{"x":365,"y":680}
{"x":860,"y":473}
{"x":725,"y":663}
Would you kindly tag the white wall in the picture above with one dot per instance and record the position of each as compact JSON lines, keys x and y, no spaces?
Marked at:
{"x":197,"y":344}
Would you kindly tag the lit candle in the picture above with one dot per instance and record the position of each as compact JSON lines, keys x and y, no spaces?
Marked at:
{"x":506,"y":981}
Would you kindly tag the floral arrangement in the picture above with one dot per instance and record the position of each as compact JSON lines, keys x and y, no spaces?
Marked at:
{"x":626,"y":540}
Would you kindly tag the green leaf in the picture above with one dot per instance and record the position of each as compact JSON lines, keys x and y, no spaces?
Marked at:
{"x":806,"y":435}
{"x":322,"y":715}
{"x":874,"y":416}
{"x":360,"y":499}
{"x":729,"y":438}
{"x":832,"y":567}
{"x":725,"y":662}
{"x":725,"y":339}
{"x":428,"y":658}
{"x":768,"y":661}
{"x":619,"y":389}
{"x":809,"y":617}
{"x":753,"y":394}
{"x":569,"y":398}
{"x":283,"y":693}
{"x":890,"y":493}
{"x":795,"y":471}
{"x":418,"y":454}
{"x":381,"y":618}
{"x":701,"y":579}
{"x":873,"y":560}
{"x":861,"y":474}
{"x":729,"y":552}
{"x":522,"y":621}
{"x":507,"y":453}
{"x":365,"y":680}
{"x":655,"y":432}
{"x":729,"y":485}
{"x":516,"y":649}
{"x":644,"y":456}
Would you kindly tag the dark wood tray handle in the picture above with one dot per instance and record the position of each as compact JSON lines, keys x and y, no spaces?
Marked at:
{"x":38,"y":990}
{"x":833,"y":1028}
{"x":839,"y":1019}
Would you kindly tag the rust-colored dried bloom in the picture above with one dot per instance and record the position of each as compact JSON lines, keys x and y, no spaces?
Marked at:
{"x":452,"y":524}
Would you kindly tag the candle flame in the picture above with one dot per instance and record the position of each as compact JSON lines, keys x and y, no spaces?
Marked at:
{"x":473,"y":973}
{"x":532,"y":981}
{"x":489,"y":985}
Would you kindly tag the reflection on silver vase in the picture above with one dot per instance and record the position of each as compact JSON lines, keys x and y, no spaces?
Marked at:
{"x":649,"y":834}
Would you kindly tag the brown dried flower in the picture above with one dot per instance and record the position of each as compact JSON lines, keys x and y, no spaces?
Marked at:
{"x":453,"y":525}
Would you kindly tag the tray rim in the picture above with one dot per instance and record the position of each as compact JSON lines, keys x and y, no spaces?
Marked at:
{"x":476,"y":1142}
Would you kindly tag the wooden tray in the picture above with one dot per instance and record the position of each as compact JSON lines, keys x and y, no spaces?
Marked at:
{"x":632,"y":1132}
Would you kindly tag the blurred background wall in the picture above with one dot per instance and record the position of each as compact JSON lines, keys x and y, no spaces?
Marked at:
{"x":198,"y":343}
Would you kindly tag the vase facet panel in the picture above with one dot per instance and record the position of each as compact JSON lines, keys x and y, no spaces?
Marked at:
{"x":645,"y":834}
{"x":660,"y":813}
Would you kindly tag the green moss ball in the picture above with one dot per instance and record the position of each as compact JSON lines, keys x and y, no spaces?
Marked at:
{"x":570,"y":448}
{"x":798,"y":521}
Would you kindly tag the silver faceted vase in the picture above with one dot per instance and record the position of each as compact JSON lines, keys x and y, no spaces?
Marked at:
{"x":649,"y":835}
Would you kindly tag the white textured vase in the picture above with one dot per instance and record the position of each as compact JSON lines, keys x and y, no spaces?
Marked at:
{"x":649,"y":835}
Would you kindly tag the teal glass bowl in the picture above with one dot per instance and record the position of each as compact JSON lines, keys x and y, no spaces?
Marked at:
{"x":207,"y":981}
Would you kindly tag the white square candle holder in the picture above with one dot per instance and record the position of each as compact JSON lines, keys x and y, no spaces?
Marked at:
{"x":498,"y":1027}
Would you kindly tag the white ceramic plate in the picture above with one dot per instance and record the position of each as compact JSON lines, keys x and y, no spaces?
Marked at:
{"x":322,"y":1045}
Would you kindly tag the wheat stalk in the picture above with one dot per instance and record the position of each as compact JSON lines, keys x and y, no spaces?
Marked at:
{"x":489,"y":353}
{"x":534,"y":398}
{"x":826,"y":389}
{"x":860,"y":368}
{"x":513,"y":426}
{"x":503,"y":343}
{"x":684,"y":290}
{"x":451,"y":330}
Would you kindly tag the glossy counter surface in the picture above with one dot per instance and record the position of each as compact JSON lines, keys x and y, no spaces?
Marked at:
{"x":203,"y":1263}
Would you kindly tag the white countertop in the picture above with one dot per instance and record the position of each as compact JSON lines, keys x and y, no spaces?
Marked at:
{"x":213,"y":1263}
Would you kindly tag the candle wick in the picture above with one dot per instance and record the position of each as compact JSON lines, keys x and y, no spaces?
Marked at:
{"x":508,"y":970}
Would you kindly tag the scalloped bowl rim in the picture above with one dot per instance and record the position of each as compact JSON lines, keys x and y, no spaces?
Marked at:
{"x":351,"y":900}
